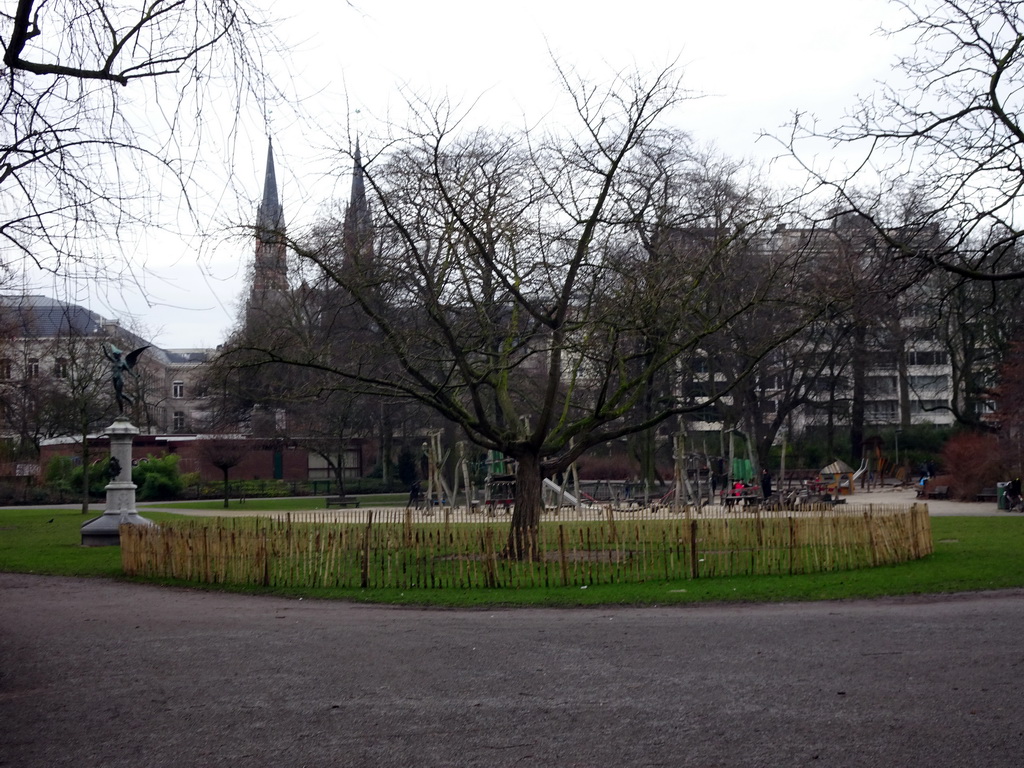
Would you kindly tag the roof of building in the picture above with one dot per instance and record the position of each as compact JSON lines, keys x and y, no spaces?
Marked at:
{"x":31,"y":316}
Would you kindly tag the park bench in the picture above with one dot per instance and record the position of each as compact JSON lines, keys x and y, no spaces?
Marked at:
{"x":987,"y":494}
{"x":939,"y":492}
{"x":342,"y":501}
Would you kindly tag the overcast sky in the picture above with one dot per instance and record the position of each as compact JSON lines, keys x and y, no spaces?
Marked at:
{"x":754,"y":62}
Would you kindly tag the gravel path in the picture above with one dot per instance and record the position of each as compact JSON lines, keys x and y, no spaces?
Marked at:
{"x":102,"y":673}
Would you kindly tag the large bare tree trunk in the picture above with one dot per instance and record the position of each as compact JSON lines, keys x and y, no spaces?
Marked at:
{"x":522,"y":536}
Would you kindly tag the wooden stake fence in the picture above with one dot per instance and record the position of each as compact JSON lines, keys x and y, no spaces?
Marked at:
{"x":388,"y":549}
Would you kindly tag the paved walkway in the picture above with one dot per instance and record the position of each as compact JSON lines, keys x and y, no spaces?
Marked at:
{"x":908,"y":495}
{"x":889,"y":495}
{"x":101,"y":673}
{"x":902,"y":496}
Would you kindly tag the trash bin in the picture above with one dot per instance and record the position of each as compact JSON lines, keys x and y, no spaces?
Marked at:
{"x":1001,"y":496}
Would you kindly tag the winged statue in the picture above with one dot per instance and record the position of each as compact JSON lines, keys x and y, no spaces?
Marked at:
{"x":120,"y":364}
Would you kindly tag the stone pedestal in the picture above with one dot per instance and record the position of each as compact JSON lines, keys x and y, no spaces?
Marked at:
{"x":104,"y":530}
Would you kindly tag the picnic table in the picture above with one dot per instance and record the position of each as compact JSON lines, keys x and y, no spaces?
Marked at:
{"x":745,"y":496}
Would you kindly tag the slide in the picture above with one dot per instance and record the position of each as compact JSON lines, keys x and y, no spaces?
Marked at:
{"x":862,"y":470}
{"x":551,"y":485}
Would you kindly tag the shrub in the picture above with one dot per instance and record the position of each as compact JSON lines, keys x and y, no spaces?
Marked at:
{"x":972,"y":460}
{"x":99,"y":476}
{"x":59,"y":472}
{"x":157,"y":478}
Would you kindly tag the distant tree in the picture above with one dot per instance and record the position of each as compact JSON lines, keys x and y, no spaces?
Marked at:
{"x":225,"y":453}
{"x":946,"y":134}
{"x":325,"y":425}
{"x":1008,"y":418}
{"x":976,"y":323}
{"x":84,"y":390}
{"x":56,"y":387}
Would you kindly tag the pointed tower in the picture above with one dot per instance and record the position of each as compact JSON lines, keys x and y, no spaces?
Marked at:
{"x":270,"y":268}
{"x":357,"y":230}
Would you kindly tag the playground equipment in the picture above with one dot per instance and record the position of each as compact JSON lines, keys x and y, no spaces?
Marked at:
{"x":561,"y":494}
{"x":438,"y":491}
{"x":837,"y":478}
{"x":859,"y":473}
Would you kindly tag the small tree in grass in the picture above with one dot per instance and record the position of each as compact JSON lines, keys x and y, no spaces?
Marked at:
{"x":225,"y":453}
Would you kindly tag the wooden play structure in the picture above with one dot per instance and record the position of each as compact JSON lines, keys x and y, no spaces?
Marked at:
{"x":836,"y":479}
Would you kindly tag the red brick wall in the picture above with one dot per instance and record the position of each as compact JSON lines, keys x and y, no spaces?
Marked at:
{"x":256,"y":464}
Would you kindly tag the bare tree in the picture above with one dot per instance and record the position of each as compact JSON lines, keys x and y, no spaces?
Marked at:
{"x":225,"y":453}
{"x":518,"y":287}
{"x":942,"y":145}
{"x":83,"y":391}
{"x":81,"y":150}
{"x":326,"y":425}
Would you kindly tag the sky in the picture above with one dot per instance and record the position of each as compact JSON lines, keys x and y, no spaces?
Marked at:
{"x":752,"y":63}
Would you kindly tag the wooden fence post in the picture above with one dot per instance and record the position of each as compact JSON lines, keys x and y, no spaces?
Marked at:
{"x":792,"y":542}
{"x":611,"y":525}
{"x":694,"y":572}
{"x":869,"y":522}
{"x":563,"y":555}
{"x":490,"y":564}
{"x":365,"y":579}
{"x":266,"y":557}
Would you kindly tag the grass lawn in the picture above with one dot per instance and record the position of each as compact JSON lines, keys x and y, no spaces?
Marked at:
{"x":971,"y":553}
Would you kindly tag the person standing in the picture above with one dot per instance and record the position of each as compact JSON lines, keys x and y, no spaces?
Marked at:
{"x":766,"y":483}
{"x":1013,"y":498}
{"x":415,"y":495}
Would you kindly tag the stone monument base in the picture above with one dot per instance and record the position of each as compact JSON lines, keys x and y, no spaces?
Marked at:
{"x":104,"y":531}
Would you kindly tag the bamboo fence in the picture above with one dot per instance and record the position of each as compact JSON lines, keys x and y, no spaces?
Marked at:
{"x":403,"y":549}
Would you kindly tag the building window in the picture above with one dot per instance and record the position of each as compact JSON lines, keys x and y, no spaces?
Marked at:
{"x":878,"y":386}
{"x":32,"y":369}
{"x":927,"y":358}
{"x":6,"y":369}
{"x":60,"y":368}
{"x":927,"y":406}
{"x":178,"y":390}
{"x":881,"y":412}
{"x":933,"y":384}
{"x":179,"y":421}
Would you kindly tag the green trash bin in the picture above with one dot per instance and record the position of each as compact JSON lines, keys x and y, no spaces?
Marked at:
{"x":1001,"y":496}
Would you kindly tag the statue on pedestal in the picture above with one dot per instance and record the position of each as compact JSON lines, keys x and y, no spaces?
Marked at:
{"x":120,"y":507}
{"x":119,"y":367}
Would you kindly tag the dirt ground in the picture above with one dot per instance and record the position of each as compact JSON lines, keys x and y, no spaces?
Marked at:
{"x":103,"y":673}
{"x":908,"y":495}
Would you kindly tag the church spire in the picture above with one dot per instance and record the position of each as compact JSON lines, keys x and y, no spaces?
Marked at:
{"x":357,"y":231}
{"x":270,"y":215}
{"x":270,"y":267}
